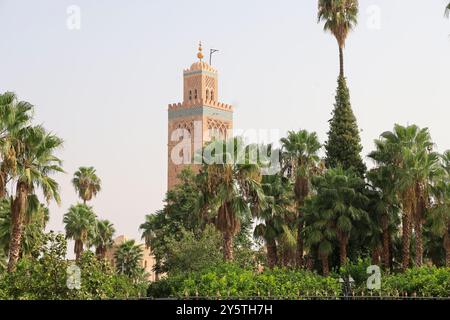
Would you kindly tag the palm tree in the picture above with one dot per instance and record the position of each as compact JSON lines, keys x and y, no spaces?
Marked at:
{"x":103,"y":237}
{"x":440,"y":211}
{"x":80,"y":223}
{"x":231,"y":188}
{"x":319,"y":233}
{"x":406,"y":154}
{"x":340,"y":198}
{"x":277,"y":190}
{"x":447,"y":10}
{"x":340,"y":17}
{"x":300,"y":162}
{"x":128,"y":258}
{"x":86,"y":183}
{"x":384,"y":210}
{"x":15,"y":117}
{"x":36,"y":162}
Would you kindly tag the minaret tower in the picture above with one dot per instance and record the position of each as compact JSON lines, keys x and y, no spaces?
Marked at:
{"x":200,"y":114}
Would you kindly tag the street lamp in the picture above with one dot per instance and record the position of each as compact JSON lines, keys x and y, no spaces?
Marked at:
{"x":347,"y":284}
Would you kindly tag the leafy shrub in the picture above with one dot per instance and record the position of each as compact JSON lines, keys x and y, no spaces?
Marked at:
{"x":229,"y":280}
{"x":45,"y":277}
{"x":424,"y":281}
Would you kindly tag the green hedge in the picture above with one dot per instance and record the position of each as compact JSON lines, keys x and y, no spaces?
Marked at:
{"x":424,"y":281}
{"x":228,"y":280}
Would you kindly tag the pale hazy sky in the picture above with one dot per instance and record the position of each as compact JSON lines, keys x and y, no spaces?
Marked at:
{"x":105,"y":88}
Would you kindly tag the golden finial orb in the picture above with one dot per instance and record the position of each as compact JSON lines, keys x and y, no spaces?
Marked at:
{"x":200,"y":54}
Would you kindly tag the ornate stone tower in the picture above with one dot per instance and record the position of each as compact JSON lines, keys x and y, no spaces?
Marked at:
{"x":200,"y":117}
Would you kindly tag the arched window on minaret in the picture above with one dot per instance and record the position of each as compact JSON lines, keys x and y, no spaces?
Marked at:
{"x":195,"y":94}
{"x":207,"y":94}
{"x":190,"y":94}
{"x":212,"y":94}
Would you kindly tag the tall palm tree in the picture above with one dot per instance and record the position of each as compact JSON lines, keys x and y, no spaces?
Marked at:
{"x":103,"y":238}
{"x":300,"y":163}
{"x":339,"y":17}
{"x":384,"y":210}
{"x":440,"y":211}
{"x":80,"y":225}
{"x":231,"y":188}
{"x":15,"y":117}
{"x":277,"y":190}
{"x":128,"y":258}
{"x":447,"y":10}
{"x":406,"y":153}
{"x":36,"y":162}
{"x":86,"y":183}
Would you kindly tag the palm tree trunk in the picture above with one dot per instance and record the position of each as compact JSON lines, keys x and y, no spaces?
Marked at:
{"x":78,"y":249}
{"x":341,"y":62}
{"x":406,"y":239}
{"x":447,"y":246}
{"x":2,"y":184}
{"x":325,"y":266}
{"x":299,"y":251}
{"x":376,"y":255}
{"x":272,"y":255}
{"x":420,"y":211}
{"x":309,"y":262}
{"x":17,"y":213}
{"x":227,"y":246}
{"x":385,"y":236}
{"x":343,"y":241}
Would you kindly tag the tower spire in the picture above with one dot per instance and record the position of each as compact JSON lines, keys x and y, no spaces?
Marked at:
{"x":200,"y":54}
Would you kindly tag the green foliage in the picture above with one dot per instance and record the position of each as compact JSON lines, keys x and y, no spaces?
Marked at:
{"x":344,"y":144}
{"x":229,"y":280}
{"x":357,"y":270}
{"x":46,"y":277}
{"x":128,"y":259}
{"x":424,"y":281}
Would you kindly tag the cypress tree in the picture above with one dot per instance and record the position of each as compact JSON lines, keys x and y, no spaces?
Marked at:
{"x":344,"y":144}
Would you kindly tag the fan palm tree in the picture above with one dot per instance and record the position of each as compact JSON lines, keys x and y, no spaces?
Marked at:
{"x":406,"y":153}
{"x":384,"y":210}
{"x":277,"y":190}
{"x":300,"y":162}
{"x":36,"y":163}
{"x":128,"y":258}
{"x":86,"y":183}
{"x":341,"y":199}
{"x":339,"y":17}
{"x":15,"y":117}
{"x":80,"y":225}
{"x":231,"y":188}
{"x":103,"y":237}
{"x":440,"y":211}
{"x":319,"y":232}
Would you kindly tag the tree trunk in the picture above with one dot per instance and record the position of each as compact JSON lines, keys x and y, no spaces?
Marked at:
{"x":376,"y":255}
{"x":18,"y":209}
{"x":420,"y":212}
{"x":78,"y":249}
{"x":299,"y":251}
{"x":309,"y":262}
{"x":343,"y":241}
{"x":325,"y":267}
{"x":385,"y":236}
{"x":227,"y":246}
{"x":406,"y":239}
{"x":2,"y":184}
{"x":272,"y":254}
{"x":447,"y":247}
{"x":341,"y":62}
